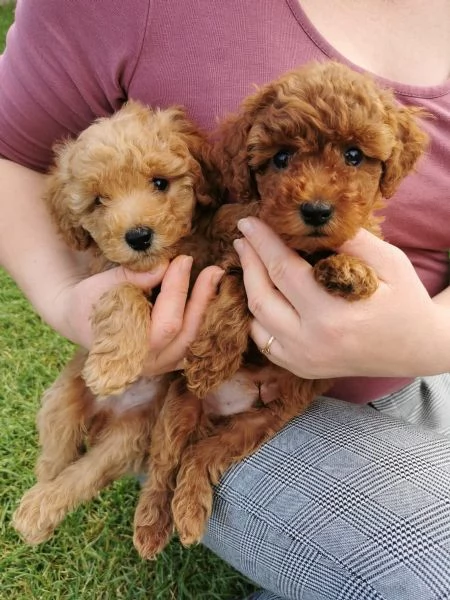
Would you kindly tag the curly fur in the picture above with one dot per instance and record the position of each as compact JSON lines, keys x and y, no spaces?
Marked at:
{"x":316,"y":114}
{"x":102,"y":185}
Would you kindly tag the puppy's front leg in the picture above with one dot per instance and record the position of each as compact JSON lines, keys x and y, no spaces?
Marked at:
{"x":346,"y":276}
{"x":217,"y":352}
{"x":120,"y":322}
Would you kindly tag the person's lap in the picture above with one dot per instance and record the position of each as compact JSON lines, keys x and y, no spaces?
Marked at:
{"x":344,"y":503}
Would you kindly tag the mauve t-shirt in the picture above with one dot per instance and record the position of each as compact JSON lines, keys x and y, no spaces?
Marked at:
{"x":70,"y":61}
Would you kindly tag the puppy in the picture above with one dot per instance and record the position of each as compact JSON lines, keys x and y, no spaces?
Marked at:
{"x":130,"y":190}
{"x":313,"y":154}
{"x":126,"y":190}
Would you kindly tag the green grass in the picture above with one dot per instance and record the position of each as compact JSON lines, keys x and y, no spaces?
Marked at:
{"x":91,"y":556}
{"x":6,"y":17}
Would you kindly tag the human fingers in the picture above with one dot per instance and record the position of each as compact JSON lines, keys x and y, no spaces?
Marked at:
{"x":203,"y":291}
{"x":168,"y":310}
{"x":288,"y":271}
{"x":167,"y":353}
{"x":95,"y":286}
{"x":267,"y":342}
{"x":98,"y":284}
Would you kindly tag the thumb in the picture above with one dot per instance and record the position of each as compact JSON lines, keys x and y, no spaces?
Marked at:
{"x":104,"y":281}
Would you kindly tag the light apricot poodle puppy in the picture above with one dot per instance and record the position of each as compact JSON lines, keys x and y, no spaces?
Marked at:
{"x":126,"y":190}
{"x":130,"y":190}
{"x":313,"y":154}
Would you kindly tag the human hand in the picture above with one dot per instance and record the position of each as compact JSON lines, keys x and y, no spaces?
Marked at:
{"x":174,"y":321}
{"x":322,"y":336}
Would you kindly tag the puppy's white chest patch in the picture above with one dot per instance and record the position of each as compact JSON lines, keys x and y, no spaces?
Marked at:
{"x":140,"y":393}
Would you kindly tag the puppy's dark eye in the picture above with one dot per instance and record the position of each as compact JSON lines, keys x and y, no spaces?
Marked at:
{"x":281,"y":159}
{"x":160,"y":184}
{"x":98,"y":201}
{"x":353,"y":156}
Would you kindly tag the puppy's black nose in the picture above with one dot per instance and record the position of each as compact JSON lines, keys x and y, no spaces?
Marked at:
{"x":139,"y":238}
{"x":316,"y":213}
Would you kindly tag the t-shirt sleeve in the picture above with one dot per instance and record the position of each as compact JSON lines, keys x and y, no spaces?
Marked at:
{"x":66,"y":62}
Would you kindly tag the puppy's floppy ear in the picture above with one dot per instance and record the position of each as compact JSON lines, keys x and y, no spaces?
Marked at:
{"x":206,"y":187}
{"x":230,"y":153}
{"x":410,"y":143}
{"x":57,"y":196}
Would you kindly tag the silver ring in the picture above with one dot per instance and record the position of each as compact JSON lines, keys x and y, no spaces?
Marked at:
{"x":266,"y":349}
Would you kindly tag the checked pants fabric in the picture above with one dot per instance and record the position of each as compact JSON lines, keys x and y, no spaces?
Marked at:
{"x":345,"y":503}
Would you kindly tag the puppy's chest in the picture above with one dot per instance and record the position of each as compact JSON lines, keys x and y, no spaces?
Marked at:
{"x":137,"y":395}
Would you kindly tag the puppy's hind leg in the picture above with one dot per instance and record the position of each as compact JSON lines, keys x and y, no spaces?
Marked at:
{"x":46,"y":504}
{"x":174,"y":428}
{"x":62,"y":420}
{"x":234,"y":438}
{"x":120,"y":323}
{"x":204,"y":463}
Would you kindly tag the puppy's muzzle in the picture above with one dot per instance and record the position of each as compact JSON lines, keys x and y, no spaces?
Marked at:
{"x":139,"y":238}
{"x":316,"y":213}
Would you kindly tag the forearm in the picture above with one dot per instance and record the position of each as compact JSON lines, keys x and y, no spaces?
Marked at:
{"x":424,"y":348}
{"x":30,"y":248}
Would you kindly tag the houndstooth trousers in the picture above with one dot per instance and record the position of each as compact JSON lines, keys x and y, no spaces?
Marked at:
{"x":347,"y":502}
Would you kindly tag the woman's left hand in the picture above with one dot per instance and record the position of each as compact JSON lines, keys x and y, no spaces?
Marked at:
{"x":399,"y":331}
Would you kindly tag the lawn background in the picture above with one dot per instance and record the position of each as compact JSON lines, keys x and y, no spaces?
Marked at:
{"x":91,"y":557}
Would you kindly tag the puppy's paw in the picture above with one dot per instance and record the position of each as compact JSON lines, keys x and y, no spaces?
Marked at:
{"x":153,"y":523}
{"x":346,"y":276}
{"x":110,"y":374}
{"x":120,"y":325}
{"x":191,"y":511}
{"x":191,"y":527}
{"x":150,"y":540}
{"x":34,"y":519}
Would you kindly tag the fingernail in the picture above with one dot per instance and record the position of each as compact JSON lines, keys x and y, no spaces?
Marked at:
{"x":245,"y":226}
{"x":187,"y":262}
{"x":217,"y":276}
{"x":239,"y":245}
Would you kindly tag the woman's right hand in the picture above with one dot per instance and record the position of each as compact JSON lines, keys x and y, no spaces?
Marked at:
{"x":175,"y":319}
